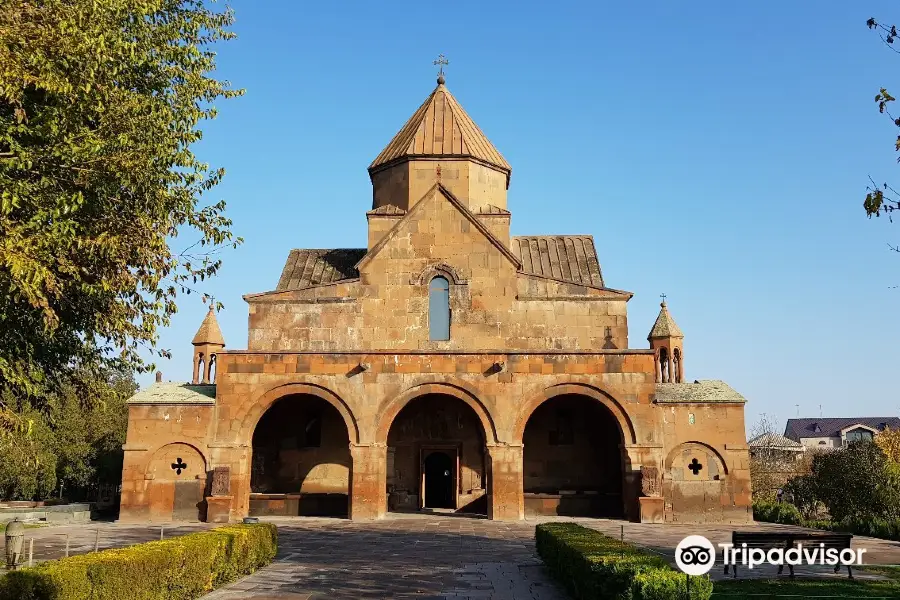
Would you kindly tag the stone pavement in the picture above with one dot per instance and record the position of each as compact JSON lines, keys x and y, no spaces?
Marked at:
{"x":427,"y":556}
{"x":405,"y":556}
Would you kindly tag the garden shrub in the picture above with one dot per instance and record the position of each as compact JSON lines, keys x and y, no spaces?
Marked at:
{"x":787,"y":514}
{"x":777,"y":512}
{"x":593,"y":566}
{"x":181,"y":568}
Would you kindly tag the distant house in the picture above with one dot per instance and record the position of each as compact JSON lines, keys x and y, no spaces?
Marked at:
{"x":836,"y":433}
{"x":776,"y":446}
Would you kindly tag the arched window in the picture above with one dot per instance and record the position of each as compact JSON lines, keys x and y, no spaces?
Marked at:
{"x":676,"y":366}
{"x":439,"y":309}
{"x":663,"y":365}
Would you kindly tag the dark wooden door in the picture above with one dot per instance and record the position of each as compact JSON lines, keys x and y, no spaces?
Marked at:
{"x":188,"y":500}
{"x":440,"y":474}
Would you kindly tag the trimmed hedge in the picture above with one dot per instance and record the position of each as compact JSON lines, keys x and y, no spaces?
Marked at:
{"x":594,"y":566}
{"x":181,"y":568}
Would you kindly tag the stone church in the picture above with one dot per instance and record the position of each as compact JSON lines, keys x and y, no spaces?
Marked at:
{"x":445,"y":366}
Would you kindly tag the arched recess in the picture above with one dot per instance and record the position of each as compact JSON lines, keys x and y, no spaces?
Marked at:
{"x":680,"y":462}
{"x":257,"y":408}
{"x":300,"y":461}
{"x":574,"y":459}
{"x":580,"y":389}
{"x":436,"y":455}
{"x":392,"y":409}
{"x":695,"y":483}
{"x":176,"y":476}
{"x":438,"y":269}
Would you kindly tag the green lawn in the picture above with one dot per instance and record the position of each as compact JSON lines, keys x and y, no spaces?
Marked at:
{"x":750,"y":589}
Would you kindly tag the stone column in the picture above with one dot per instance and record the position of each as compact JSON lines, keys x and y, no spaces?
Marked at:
{"x":506,"y":501}
{"x":368,"y":481}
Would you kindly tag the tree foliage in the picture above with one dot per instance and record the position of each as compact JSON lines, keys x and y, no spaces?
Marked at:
{"x":884,"y":199}
{"x":74,"y":442}
{"x":771,"y":466}
{"x":889,"y":442}
{"x":856,"y":482}
{"x":100,"y":103}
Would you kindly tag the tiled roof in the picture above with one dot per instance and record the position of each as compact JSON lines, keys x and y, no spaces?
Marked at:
{"x":440,"y":127}
{"x":710,"y":390}
{"x":775,"y":441}
{"x":808,"y":428}
{"x":305,"y":268}
{"x":665,"y":325}
{"x":209,"y":332}
{"x":175,"y":393}
{"x":570,"y":258}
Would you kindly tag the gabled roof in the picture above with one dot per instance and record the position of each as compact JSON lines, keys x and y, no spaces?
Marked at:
{"x":308,"y":267}
{"x":710,"y":390}
{"x":440,"y":128}
{"x":175,"y":393}
{"x":814,"y":428}
{"x":665,"y":325}
{"x":209,"y":332}
{"x":434,"y":190}
{"x":569,"y":258}
{"x":775,"y":441}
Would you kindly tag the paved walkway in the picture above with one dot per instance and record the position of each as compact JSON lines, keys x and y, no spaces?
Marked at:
{"x":451,"y":558}
{"x":414,"y":556}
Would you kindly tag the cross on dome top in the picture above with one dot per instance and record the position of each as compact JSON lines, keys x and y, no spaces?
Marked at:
{"x":440,"y":62}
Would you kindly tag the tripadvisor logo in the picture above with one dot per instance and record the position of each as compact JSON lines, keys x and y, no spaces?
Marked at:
{"x":695,"y":555}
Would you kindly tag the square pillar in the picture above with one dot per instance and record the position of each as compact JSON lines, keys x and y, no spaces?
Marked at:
{"x":368,"y":481}
{"x":506,"y":500}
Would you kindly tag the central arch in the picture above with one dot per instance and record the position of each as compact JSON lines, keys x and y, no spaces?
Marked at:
{"x":574,"y":459}
{"x":300,"y":461}
{"x":436,"y":453}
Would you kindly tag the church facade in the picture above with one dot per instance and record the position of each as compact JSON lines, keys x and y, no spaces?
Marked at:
{"x":445,"y":366}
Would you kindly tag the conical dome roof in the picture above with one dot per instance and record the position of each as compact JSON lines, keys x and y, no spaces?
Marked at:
{"x":209,"y":332}
{"x":665,"y":325}
{"x":441,"y":128}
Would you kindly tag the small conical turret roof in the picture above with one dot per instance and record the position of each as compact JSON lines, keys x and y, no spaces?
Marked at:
{"x":665,"y":325}
{"x":441,"y":128}
{"x":209,"y":332}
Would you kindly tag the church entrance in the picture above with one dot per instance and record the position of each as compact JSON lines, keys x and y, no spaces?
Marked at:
{"x":573,"y":459}
{"x":301,"y":460}
{"x":436,"y":457}
{"x":439,"y":479}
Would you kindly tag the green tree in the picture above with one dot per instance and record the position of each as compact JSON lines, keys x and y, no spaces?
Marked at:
{"x":889,"y":441}
{"x":884,"y":199}
{"x":27,"y":462}
{"x":854,"y":482}
{"x":100,"y":103}
{"x":89,"y":424}
{"x":74,"y":442}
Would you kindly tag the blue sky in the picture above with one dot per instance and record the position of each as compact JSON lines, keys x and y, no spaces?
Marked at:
{"x":717,"y":152}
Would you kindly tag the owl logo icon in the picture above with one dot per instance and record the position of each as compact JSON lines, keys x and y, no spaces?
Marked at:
{"x":695,"y":555}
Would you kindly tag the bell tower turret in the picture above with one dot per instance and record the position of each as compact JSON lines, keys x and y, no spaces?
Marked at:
{"x":208,"y":342}
{"x":667,"y":342}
